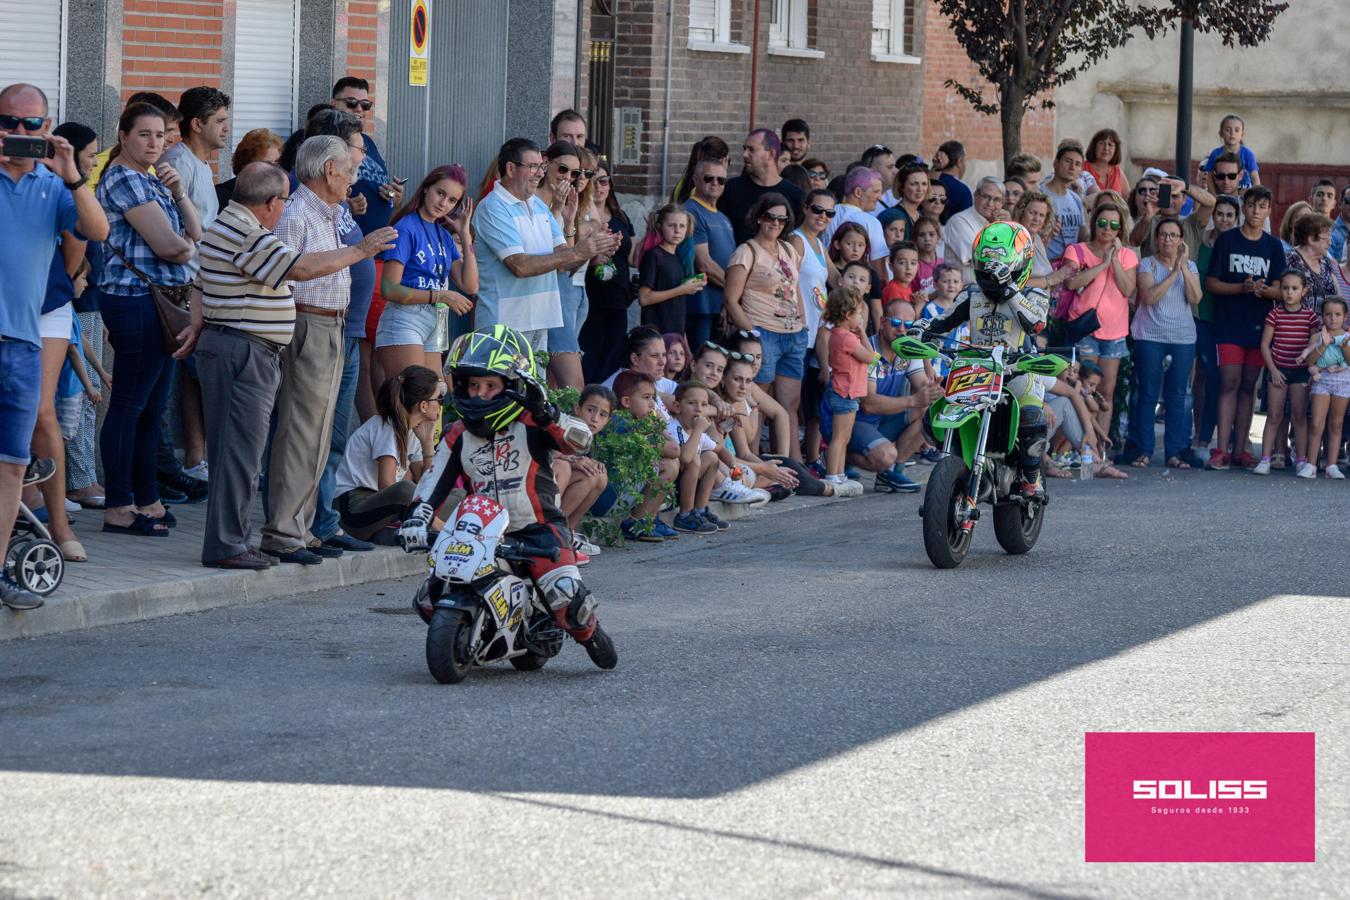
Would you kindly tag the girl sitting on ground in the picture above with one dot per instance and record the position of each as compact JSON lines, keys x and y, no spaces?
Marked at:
{"x":385,"y":456}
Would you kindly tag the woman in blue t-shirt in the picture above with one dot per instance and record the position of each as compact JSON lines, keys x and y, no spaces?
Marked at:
{"x":419,"y":272}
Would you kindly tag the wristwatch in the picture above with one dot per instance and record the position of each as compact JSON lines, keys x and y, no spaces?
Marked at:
{"x":77,"y":184}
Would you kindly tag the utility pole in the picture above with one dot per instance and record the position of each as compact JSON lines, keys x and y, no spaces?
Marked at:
{"x":1185,"y":91}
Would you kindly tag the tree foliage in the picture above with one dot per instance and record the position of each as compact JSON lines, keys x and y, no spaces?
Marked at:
{"x":1024,"y":49}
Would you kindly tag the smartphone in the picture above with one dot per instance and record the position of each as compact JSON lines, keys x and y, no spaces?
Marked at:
{"x":22,"y":146}
{"x":1164,"y":195}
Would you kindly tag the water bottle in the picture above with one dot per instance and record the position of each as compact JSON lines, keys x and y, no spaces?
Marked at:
{"x":1085,"y":467}
{"x":442,"y":327}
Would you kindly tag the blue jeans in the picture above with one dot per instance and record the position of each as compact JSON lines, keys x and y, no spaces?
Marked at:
{"x":130,"y":437}
{"x":1207,"y":357}
{"x":1150,"y":380}
{"x":326,"y":522}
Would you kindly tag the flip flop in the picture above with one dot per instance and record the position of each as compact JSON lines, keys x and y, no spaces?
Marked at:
{"x":73,"y":551}
{"x":1177,"y":462}
{"x":1141,"y":462}
{"x":141,"y":526}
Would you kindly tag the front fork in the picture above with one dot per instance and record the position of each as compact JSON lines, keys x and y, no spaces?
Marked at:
{"x":967,"y":514}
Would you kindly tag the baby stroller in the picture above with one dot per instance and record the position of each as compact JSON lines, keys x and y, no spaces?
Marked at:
{"x":33,"y":561}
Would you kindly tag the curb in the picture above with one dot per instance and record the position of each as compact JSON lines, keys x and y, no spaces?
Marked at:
{"x":210,"y":589}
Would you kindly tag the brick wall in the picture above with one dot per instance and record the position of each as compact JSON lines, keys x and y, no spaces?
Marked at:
{"x":362,"y":17}
{"x":170,"y":46}
{"x":947,"y":115}
{"x":849,"y":101}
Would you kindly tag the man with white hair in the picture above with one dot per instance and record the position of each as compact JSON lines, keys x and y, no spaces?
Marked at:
{"x":311,"y":365}
{"x":863,"y":188}
{"x":958,"y":235}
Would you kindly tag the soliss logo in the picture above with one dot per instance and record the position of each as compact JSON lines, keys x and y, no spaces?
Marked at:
{"x":1188,"y":790}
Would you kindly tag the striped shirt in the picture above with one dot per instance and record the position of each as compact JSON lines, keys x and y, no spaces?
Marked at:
{"x":506,"y":226}
{"x":1293,"y":332}
{"x":309,"y":225}
{"x":243,"y":276}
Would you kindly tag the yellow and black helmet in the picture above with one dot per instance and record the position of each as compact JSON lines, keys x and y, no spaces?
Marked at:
{"x":495,"y":350}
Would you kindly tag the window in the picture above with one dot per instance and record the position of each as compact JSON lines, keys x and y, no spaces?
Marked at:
{"x":710,"y":21}
{"x":265,"y":67}
{"x":893,"y":31}
{"x":33,"y":50}
{"x":787,"y":24}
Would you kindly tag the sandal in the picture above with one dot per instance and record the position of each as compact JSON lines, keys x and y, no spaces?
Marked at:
{"x":1141,"y":462}
{"x":73,"y":551}
{"x":1109,"y":471}
{"x":141,"y":526}
{"x":1176,"y":462}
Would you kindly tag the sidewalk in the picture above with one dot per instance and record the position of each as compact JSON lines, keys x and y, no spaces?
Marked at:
{"x":129,"y":579}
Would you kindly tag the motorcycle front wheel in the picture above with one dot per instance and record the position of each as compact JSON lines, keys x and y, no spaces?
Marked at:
{"x":448,"y":656}
{"x":943,"y":539}
{"x":1017,"y":526}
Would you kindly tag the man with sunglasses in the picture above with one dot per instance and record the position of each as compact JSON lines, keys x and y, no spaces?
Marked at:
{"x":714,"y":242}
{"x":35,"y":210}
{"x":760,"y":155}
{"x":383,"y":194}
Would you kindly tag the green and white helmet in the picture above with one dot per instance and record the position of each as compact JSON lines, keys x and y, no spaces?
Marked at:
{"x":1002,"y":258}
{"x":495,"y":350}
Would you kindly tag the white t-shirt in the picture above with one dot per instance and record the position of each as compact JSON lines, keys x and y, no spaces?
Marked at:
{"x":360,"y":467}
{"x":663,"y":386}
{"x":681,"y":437}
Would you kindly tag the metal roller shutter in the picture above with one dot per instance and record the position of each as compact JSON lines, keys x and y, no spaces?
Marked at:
{"x":32,"y":47}
{"x":265,"y":68}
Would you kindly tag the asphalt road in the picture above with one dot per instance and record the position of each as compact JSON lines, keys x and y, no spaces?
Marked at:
{"x":803,"y":707}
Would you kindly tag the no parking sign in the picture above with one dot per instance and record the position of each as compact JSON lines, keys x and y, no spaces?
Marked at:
{"x":419,"y":35}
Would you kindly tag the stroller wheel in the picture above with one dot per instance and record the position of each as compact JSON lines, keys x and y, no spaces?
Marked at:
{"x":36,"y":565}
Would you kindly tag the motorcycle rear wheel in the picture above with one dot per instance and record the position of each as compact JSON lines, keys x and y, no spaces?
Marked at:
{"x":1017,"y":527}
{"x":943,"y":539}
{"x":448,"y":657}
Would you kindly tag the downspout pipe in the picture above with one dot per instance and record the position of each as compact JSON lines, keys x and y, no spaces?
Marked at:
{"x":754,"y":69}
{"x":665,"y":113}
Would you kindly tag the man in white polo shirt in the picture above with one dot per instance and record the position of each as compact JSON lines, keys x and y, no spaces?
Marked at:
{"x":520,"y":246}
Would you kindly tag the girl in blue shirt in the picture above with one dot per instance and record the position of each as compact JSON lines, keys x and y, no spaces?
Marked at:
{"x":425,"y":269}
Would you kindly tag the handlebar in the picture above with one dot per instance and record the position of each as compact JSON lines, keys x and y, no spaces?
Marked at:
{"x":516,"y":550}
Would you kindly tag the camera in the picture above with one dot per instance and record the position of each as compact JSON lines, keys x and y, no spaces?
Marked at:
{"x":21,"y":146}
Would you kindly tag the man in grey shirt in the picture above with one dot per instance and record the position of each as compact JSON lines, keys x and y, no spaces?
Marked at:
{"x":206,"y":128}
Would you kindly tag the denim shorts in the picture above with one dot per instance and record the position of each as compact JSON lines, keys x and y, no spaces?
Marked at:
{"x":402,"y":324}
{"x":840,"y":404}
{"x":784,"y":355}
{"x":20,"y":373}
{"x":575,"y":307}
{"x":1091,"y":346}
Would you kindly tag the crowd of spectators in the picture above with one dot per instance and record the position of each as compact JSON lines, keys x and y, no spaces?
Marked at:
{"x":742,"y":331}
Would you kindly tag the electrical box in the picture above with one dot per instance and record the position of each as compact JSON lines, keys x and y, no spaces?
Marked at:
{"x":628,"y":136}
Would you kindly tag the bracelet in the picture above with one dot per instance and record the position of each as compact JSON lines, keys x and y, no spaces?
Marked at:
{"x":570,"y":234}
{"x":73,"y":186}
{"x":180,"y":197}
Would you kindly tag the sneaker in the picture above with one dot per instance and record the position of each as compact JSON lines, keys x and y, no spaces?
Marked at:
{"x":895,"y":482}
{"x":847,"y":488}
{"x":1306,"y":470}
{"x":1334,"y":472}
{"x":198,"y":471}
{"x":170,"y":495}
{"x":851,"y":472}
{"x":693,"y":523}
{"x":1218,"y":461}
{"x":601,"y":649}
{"x":40,"y":468}
{"x":662,"y":530}
{"x":931,"y":455}
{"x":718,"y":522}
{"x":15,"y":597}
{"x":1277,"y":462}
{"x":582,"y":558}
{"x":817,"y":469}
{"x":1262,"y":468}
{"x":194,"y":488}
{"x":732,"y":491}
{"x":633,"y":530}
{"x":1245,"y":460}
{"x":582,"y":545}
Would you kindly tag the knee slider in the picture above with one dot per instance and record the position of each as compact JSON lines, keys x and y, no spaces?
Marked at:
{"x":566,"y":591}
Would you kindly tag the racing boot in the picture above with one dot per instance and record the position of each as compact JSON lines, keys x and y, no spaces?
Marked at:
{"x":601,"y":649}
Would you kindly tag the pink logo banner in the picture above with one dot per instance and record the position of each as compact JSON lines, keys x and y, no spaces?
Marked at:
{"x":1200,"y":797}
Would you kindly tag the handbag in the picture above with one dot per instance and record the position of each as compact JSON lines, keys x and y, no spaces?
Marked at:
{"x":173,"y":304}
{"x":1085,"y":323}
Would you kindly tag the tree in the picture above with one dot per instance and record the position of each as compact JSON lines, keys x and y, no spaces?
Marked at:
{"x":1027,"y":48}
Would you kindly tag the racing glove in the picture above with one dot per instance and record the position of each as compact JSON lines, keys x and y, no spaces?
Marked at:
{"x":412,"y":534}
{"x":536,"y":402}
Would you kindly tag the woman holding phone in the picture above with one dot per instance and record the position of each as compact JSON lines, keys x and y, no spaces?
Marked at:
{"x":155,"y":229}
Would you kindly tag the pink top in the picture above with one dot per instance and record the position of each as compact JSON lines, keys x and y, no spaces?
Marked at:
{"x":848,"y":376}
{"x":1102,"y":294}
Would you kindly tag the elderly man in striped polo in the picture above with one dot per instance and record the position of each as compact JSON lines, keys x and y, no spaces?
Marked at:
{"x":243,"y":318}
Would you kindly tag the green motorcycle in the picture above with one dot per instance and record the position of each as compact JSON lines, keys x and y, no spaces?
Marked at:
{"x":976,"y":423}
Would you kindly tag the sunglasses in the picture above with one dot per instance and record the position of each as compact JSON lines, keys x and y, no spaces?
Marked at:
{"x":710,"y":345}
{"x":822,"y":211}
{"x":937,"y":201}
{"x":1225,"y":176}
{"x":352,"y":103}
{"x":769,"y":217}
{"x":1112,"y":224}
{"x":1149,"y":191}
{"x":752,"y":334}
{"x":719,"y":179}
{"x":573,"y":174}
{"x":818,"y":174}
{"x":742,"y":357}
{"x":896,"y":323}
{"x":29,"y":123}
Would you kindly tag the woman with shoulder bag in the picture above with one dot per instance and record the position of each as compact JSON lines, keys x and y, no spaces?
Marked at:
{"x":153,"y":238}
